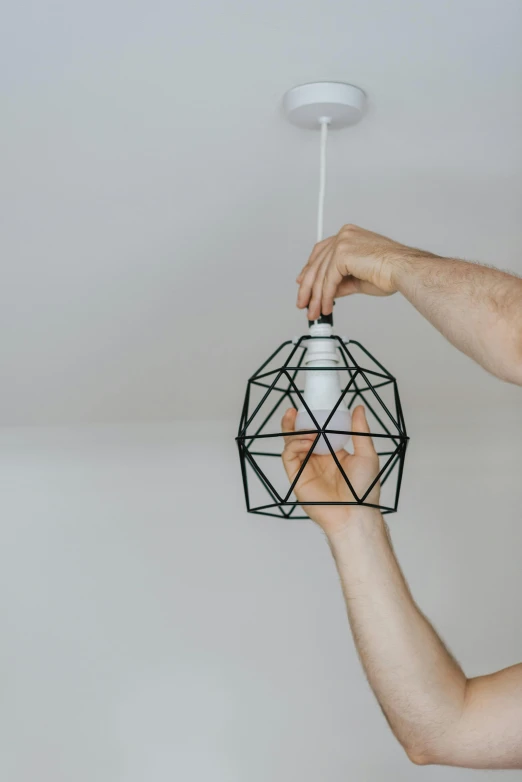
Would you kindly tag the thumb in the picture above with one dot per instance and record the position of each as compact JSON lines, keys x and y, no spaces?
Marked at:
{"x":296,"y":446}
{"x":362,"y":446}
{"x":288,"y":422}
{"x":348,"y":286}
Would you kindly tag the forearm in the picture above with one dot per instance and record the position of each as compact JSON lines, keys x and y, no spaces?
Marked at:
{"x":420,"y":687}
{"x":477,"y":308}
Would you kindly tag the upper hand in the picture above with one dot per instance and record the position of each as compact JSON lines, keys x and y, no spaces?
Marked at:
{"x":321,"y":479}
{"x":353,"y":261}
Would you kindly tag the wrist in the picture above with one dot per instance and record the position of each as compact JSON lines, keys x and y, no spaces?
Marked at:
{"x":358,"y":520}
{"x":405,"y":262}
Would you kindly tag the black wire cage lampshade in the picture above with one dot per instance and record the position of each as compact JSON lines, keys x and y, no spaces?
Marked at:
{"x":280,"y":383}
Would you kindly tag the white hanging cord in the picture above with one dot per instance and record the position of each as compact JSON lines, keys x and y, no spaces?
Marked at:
{"x":325,"y":121}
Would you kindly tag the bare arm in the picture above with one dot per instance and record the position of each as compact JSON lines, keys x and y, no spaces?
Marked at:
{"x":438,"y":715}
{"x":477,"y":308}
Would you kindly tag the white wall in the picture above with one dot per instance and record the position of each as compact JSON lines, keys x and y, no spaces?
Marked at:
{"x":152,"y":630}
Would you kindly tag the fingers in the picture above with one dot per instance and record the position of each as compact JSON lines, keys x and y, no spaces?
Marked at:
{"x":288,"y":422}
{"x":308,"y":275}
{"x":315,"y":252}
{"x":288,"y":426}
{"x":319,"y":280}
{"x":305,"y":286}
{"x":307,"y":283}
{"x":296,"y":446}
{"x":362,"y":446}
{"x":314,"y":305}
{"x":329,"y":287}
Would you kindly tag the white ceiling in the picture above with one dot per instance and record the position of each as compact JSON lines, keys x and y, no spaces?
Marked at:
{"x":157,"y":207}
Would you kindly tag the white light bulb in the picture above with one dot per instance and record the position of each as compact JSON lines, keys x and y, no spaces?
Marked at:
{"x":340,"y":420}
{"x":322,"y":391}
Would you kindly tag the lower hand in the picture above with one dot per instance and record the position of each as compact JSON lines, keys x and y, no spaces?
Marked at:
{"x":321,"y":479}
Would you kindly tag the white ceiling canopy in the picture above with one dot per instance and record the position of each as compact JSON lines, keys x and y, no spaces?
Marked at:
{"x":157,"y":206}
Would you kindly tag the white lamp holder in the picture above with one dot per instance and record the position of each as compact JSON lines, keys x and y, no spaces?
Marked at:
{"x":336,"y":103}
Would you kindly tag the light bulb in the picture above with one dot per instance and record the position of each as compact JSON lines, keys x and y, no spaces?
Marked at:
{"x":322,"y":391}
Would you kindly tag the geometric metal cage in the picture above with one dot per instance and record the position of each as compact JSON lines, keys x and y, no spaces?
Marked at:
{"x":260,"y":439}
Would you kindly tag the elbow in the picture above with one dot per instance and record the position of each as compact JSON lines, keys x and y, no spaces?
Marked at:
{"x":418,"y":753}
{"x":513,"y":376}
{"x":518,"y":363}
{"x":511,"y":372}
{"x":427,"y":751}
{"x":430,"y":754}
{"x":419,"y":758}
